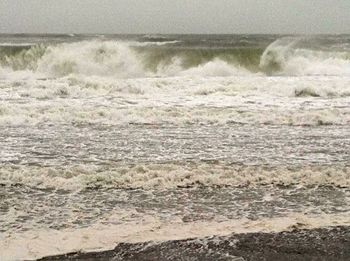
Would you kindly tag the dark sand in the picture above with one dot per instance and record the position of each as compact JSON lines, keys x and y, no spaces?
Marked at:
{"x":317,"y":244}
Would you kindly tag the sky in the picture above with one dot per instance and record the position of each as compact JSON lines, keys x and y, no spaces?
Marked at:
{"x":175,"y":16}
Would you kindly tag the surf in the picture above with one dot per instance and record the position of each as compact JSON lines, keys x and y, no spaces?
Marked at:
{"x":286,"y":56}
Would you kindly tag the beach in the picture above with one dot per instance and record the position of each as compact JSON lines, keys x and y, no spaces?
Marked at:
{"x":318,"y":244}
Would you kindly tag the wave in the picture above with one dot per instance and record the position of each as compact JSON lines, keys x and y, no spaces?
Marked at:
{"x":165,"y":176}
{"x":115,"y":59}
{"x":168,"y":57}
{"x":287,"y":56}
{"x":19,"y":57}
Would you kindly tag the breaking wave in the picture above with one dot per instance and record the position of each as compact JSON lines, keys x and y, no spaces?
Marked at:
{"x":117,"y":59}
{"x":166,"y":176}
{"x":286,"y":56}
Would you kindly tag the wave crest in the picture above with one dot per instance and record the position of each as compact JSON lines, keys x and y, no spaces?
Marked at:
{"x":164,"y":176}
{"x":120,"y":59}
{"x":287,"y":56}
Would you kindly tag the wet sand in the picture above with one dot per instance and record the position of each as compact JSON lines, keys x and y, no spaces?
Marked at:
{"x":299,"y":244}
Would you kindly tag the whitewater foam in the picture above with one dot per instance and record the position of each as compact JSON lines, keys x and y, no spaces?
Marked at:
{"x":36,"y":244}
{"x":175,"y":100}
{"x":165,"y":176}
{"x":285,"y":57}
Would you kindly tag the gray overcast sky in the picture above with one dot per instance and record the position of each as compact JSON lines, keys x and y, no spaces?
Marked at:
{"x":175,"y":16}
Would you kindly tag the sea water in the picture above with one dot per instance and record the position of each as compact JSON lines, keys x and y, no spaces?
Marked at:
{"x":131,"y":138}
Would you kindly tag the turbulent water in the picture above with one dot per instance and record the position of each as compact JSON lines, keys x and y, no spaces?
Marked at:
{"x":108,"y":139}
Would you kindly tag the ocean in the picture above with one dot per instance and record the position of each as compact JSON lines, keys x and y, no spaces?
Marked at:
{"x":109,"y":139}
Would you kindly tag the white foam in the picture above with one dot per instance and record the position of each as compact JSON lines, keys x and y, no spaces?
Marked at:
{"x":64,"y":112}
{"x":154,"y":43}
{"x":39,"y":243}
{"x":91,"y":58}
{"x":165,"y":176}
{"x":214,"y":68}
{"x":9,"y":44}
{"x":177,"y":100}
{"x":285,"y":57}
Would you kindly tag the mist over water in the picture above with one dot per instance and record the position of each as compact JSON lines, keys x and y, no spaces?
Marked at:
{"x":148,"y":134}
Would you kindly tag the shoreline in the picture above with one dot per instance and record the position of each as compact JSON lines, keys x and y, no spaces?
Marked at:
{"x":299,"y":244}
